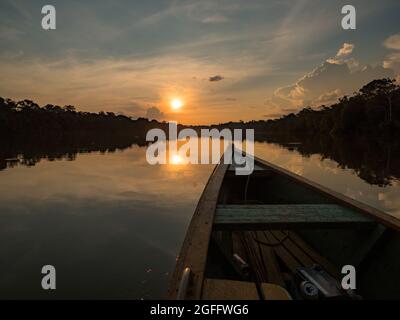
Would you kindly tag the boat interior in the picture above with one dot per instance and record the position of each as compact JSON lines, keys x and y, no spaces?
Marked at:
{"x":275,"y":238}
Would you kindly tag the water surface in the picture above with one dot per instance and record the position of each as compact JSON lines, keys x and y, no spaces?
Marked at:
{"x":112,"y":225}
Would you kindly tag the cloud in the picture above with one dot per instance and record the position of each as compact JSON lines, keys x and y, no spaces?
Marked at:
{"x":273,"y":115}
{"x":327,"y":82}
{"x":216,"y":78}
{"x":334,"y":78}
{"x":215,"y":19}
{"x":345,"y":50}
{"x":268,"y":45}
{"x":7,"y":33}
{"x":133,"y":109}
{"x":392,"y":61}
{"x":393,"y":42}
{"x":154,"y":113}
{"x":329,"y":97}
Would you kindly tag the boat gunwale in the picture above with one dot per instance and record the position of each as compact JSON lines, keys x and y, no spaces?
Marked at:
{"x":197,"y":269}
{"x":381,"y":216}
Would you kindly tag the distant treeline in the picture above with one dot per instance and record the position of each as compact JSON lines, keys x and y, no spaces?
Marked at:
{"x":373,"y":110}
{"x":358,"y":132}
{"x":27,"y":119}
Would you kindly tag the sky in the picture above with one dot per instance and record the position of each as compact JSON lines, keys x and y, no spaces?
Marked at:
{"x":224,"y":60}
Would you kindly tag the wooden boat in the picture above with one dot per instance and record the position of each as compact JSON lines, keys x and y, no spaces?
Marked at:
{"x":275,"y":235}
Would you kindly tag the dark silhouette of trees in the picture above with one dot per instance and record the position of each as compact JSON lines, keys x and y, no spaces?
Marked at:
{"x":26,"y":119}
{"x":372,"y":111}
{"x":359,"y":131}
{"x":375,"y":161}
{"x":381,"y":88}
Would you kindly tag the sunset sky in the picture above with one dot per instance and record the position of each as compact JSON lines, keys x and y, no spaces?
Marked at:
{"x":223,"y":60}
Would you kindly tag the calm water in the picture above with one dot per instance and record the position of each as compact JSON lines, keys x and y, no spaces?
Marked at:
{"x":112,"y":225}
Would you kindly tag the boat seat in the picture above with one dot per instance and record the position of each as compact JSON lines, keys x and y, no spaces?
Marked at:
{"x":220,"y":289}
{"x":287,"y":216}
{"x":257,"y":167}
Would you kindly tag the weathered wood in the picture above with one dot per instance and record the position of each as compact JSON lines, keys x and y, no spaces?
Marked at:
{"x":217,"y":289}
{"x":225,"y":250}
{"x":237,"y":245}
{"x":382,"y":217}
{"x":253,"y":255}
{"x":305,"y":260}
{"x":195,"y":247}
{"x":260,"y":217}
{"x":226,"y":241}
{"x":269,"y":261}
{"x":319,"y":259}
{"x":233,"y":167}
{"x":275,"y":292}
{"x":194,"y":250}
{"x":285,"y":255}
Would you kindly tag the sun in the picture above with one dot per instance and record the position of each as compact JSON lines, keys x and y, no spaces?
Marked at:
{"x":176,"y":104}
{"x":176,"y":159}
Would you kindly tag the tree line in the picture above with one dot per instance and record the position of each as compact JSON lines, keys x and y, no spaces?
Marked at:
{"x":26,"y":119}
{"x":359,"y":132}
{"x":373,"y":110}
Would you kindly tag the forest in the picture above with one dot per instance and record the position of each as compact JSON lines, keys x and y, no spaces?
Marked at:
{"x":372,"y":111}
{"x":27,"y":119}
{"x":359,"y":132}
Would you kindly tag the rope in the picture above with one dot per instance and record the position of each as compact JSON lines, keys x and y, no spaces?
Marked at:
{"x":251,"y":265}
{"x":276,"y":244}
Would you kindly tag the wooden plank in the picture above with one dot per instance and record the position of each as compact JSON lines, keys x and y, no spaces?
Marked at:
{"x":380,"y":216}
{"x":194,"y":250}
{"x":226,"y":242}
{"x":321,"y":260}
{"x":227,"y":253}
{"x":237,"y":245}
{"x":262,"y":258}
{"x":253,"y":255}
{"x":286,"y":257}
{"x":218,"y":289}
{"x":270,"y":262}
{"x":261,"y":217}
{"x":275,"y":292}
{"x":233,"y":167}
{"x":305,"y":260}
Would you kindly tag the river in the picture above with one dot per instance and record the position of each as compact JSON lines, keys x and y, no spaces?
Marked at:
{"x":112,"y":224}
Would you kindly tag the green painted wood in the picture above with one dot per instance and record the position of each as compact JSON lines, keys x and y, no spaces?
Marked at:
{"x":259,"y":217}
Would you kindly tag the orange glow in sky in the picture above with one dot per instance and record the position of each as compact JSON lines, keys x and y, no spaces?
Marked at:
{"x":176,"y":159}
{"x":176,"y":104}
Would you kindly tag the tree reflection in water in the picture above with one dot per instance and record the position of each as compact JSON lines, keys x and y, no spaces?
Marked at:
{"x":374,"y":161}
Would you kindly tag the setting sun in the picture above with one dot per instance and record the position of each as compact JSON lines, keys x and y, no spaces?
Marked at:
{"x":176,"y":159}
{"x":176,"y":104}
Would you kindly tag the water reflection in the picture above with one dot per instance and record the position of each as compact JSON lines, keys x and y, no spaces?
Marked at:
{"x":332,"y":174}
{"x":376,"y":162}
{"x":112,"y":225}
{"x":29,"y":152}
